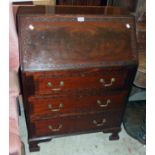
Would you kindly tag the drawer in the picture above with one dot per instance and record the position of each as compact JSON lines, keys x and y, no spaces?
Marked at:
{"x":108,"y":79}
{"x":71,"y":105}
{"x":81,"y":123}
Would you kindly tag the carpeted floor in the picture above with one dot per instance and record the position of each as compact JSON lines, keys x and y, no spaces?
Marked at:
{"x":85,"y":144}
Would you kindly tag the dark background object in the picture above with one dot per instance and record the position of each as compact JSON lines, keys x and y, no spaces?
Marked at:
{"x":23,"y":3}
{"x":130,"y":4}
{"x":82,"y":2}
{"x":134,"y":120}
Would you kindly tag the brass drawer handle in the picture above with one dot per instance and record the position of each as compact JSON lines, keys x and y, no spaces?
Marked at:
{"x":62,"y":83}
{"x":55,"y":129}
{"x":107,"y":84}
{"x":49,"y":84}
{"x":102,"y":104}
{"x":99,"y":124}
{"x":56,"y":89}
{"x":61,"y":106}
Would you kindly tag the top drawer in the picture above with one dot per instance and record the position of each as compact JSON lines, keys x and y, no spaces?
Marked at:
{"x":57,"y":82}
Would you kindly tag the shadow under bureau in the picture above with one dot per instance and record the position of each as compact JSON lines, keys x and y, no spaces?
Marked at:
{"x":77,"y":68}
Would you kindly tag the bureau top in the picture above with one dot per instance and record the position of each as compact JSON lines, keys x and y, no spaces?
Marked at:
{"x":56,"y":40}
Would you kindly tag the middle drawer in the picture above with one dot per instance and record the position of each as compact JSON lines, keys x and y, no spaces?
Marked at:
{"x":71,"y":105}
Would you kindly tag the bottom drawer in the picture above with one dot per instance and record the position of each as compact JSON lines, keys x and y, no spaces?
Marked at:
{"x":81,"y":123}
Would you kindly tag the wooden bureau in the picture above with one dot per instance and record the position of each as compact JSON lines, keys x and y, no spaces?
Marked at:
{"x":77,"y":68}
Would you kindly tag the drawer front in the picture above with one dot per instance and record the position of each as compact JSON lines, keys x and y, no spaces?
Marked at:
{"x":107,"y":80}
{"x":82,"y":123}
{"x":75,"y":104}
